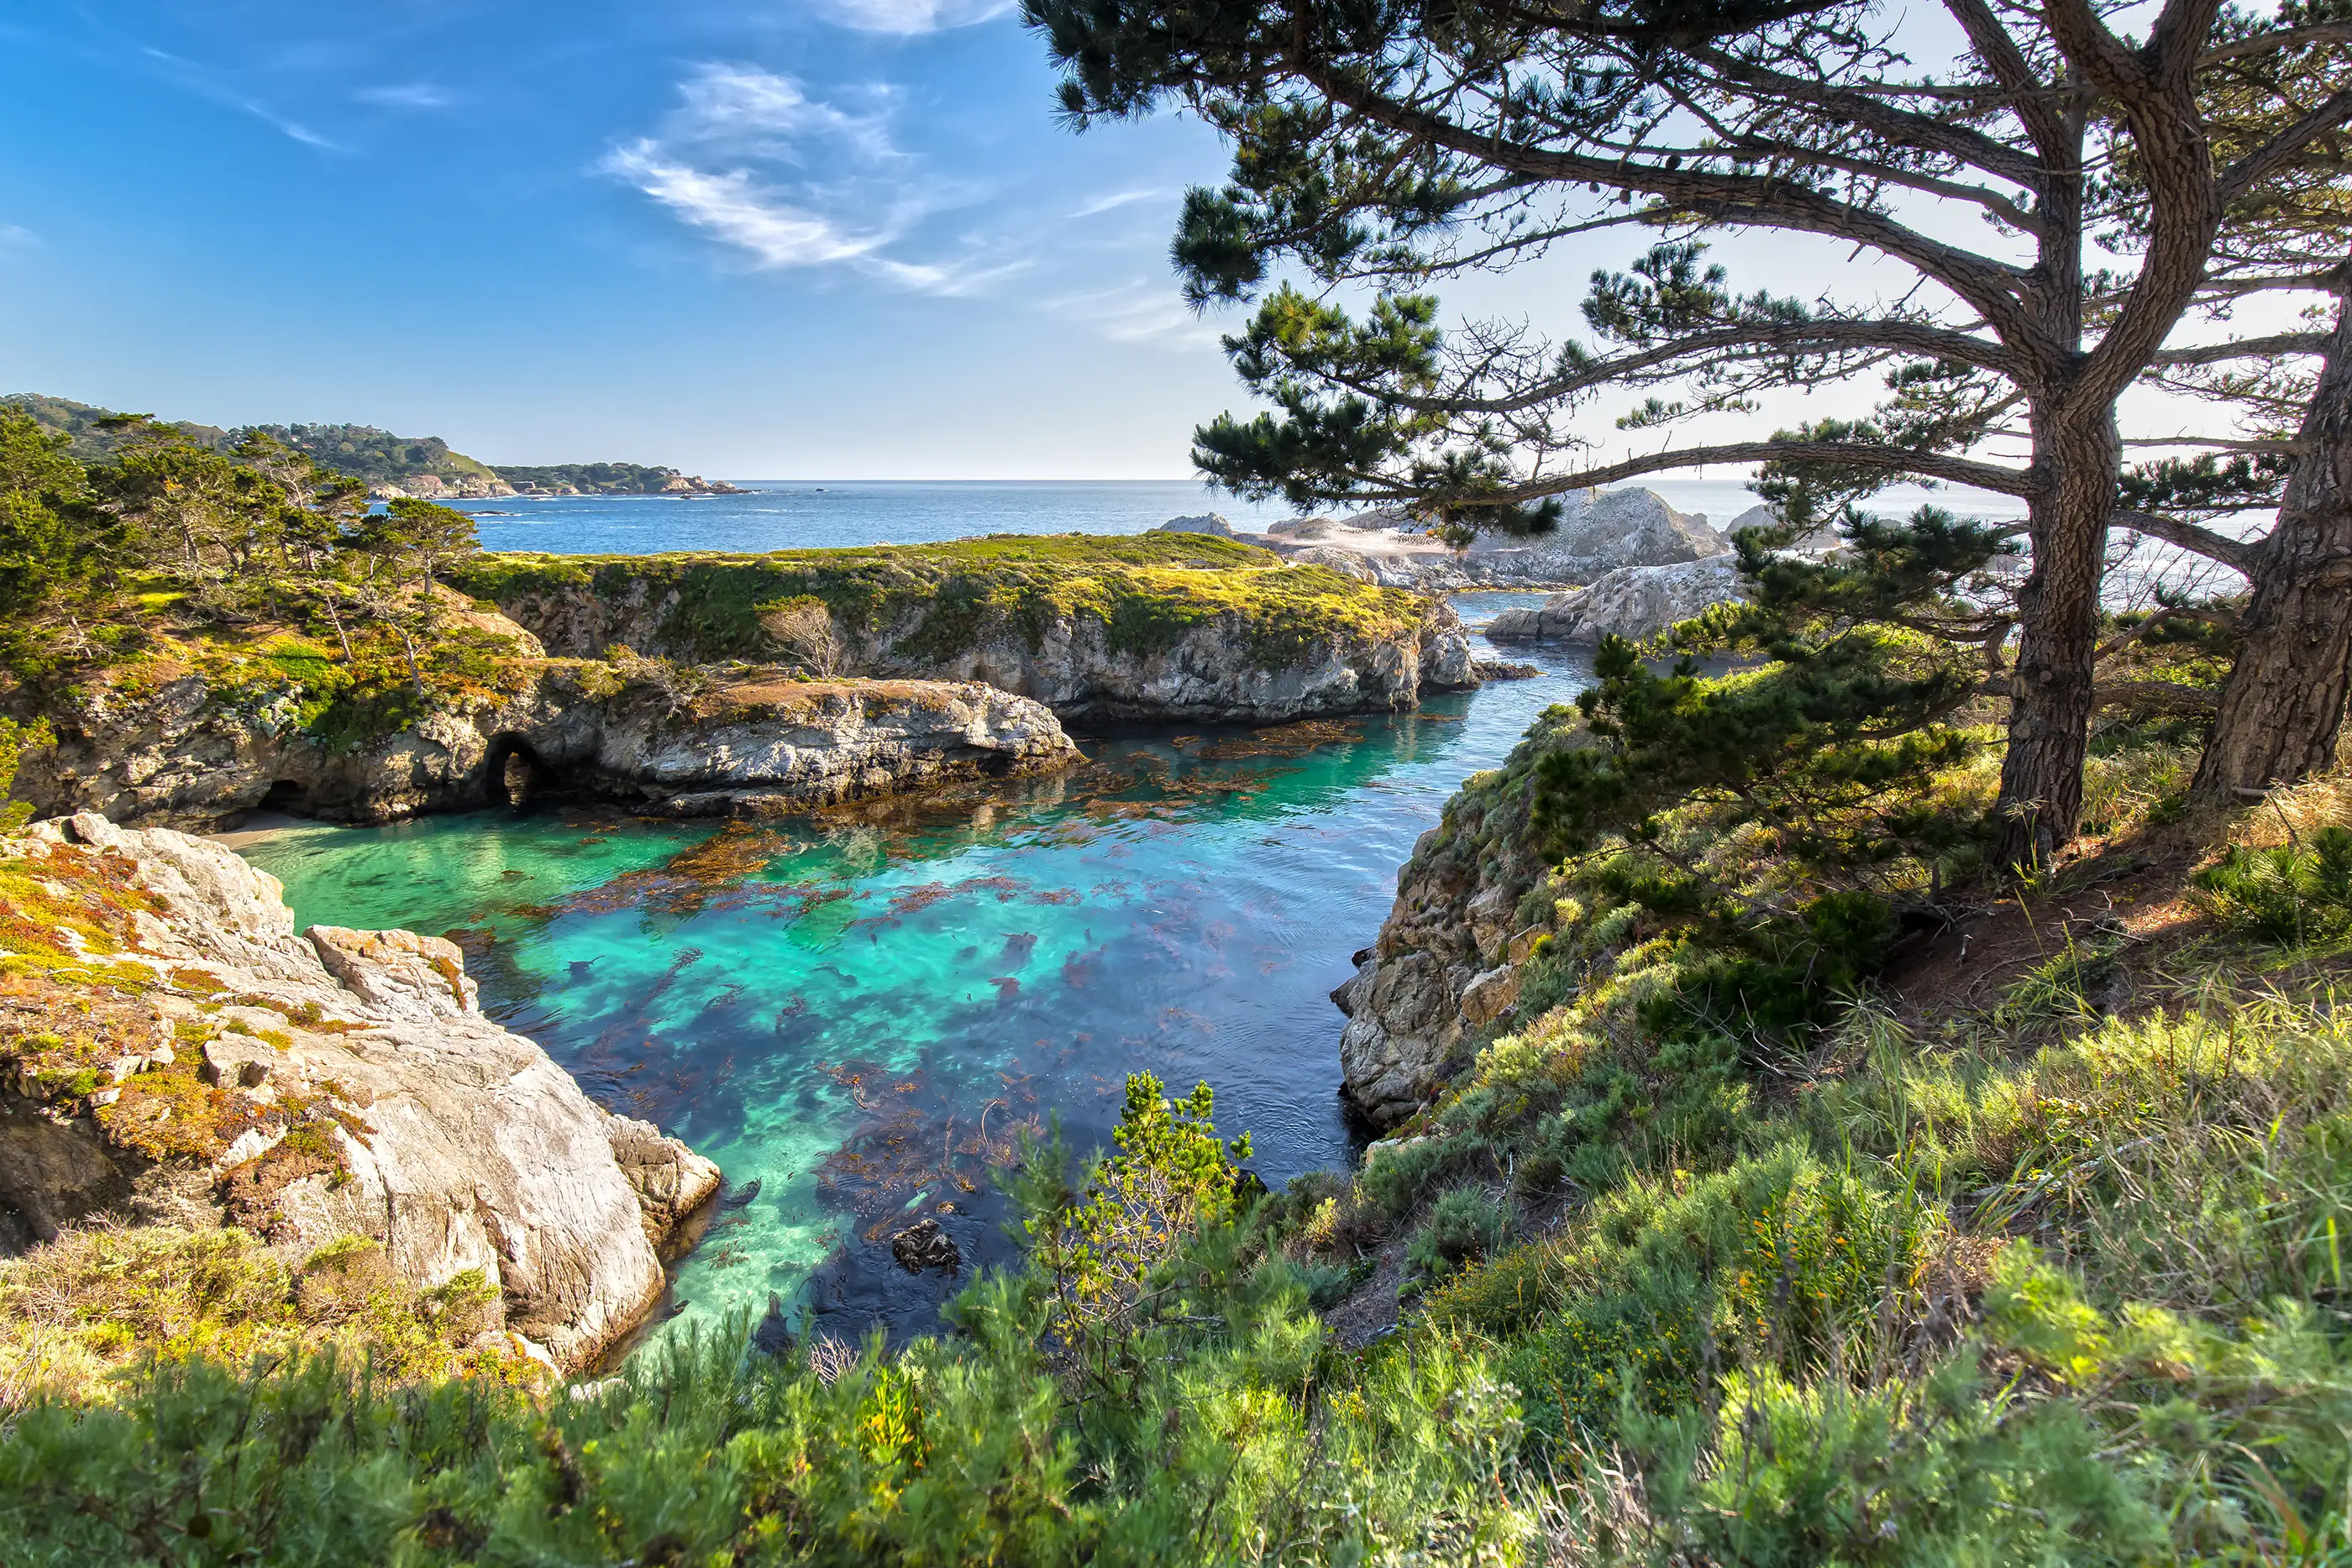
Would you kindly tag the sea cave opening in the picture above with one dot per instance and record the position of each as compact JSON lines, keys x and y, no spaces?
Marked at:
{"x":512,"y":772}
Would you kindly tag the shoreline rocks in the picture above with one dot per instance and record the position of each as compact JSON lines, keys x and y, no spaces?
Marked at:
{"x":1600,"y":531}
{"x":1179,"y":643}
{"x":749,"y":741}
{"x":1636,"y":603}
{"x":346,"y":1085}
{"x":1444,"y":972}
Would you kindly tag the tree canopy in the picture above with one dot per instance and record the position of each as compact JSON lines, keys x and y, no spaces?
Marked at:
{"x":1383,"y":146}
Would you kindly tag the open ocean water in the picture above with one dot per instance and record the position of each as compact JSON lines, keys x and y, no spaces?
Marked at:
{"x":793,"y":514}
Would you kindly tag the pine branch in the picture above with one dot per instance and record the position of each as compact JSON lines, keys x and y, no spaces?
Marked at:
{"x":2244,"y":348}
{"x":2236,"y":554}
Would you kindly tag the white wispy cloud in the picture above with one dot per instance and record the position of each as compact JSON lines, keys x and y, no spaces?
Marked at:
{"x":1115,"y":200}
{"x":746,"y":106}
{"x":405,"y":95}
{"x":1139,"y":311}
{"x":14,"y":237}
{"x":204,"y":82}
{"x":914,"y":15}
{"x":791,"y":181}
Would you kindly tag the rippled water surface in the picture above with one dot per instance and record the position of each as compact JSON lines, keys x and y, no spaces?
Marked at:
{"x":858,"y":1009}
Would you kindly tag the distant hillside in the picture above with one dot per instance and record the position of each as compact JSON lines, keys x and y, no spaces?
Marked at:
{"x":603,"y":479}
{"x":406,"y":465}
{"x":79,"y":422}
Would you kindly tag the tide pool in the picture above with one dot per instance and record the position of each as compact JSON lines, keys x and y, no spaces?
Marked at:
{"x":861,"y":1009}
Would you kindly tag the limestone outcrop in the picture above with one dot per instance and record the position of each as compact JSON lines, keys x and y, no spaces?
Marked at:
{"x":309,"y":1088}
{"x":1444,"y":972}
{"x":1202,"y":661}
{"x":1600,"y":531}
{"x":745,"y":740}
{"x":1636,"y":603}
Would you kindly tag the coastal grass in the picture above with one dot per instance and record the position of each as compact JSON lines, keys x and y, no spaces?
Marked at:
{"x":935,"y":602}
{"x":1148,"y":1389}
{"x":81,"y":1315}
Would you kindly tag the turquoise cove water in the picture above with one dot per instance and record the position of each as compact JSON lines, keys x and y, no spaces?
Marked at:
{"x":858,"y":1010}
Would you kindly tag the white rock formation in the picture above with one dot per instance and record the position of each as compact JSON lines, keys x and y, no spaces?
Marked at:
{"x":1636,"y":603}
{"x":1206,"y":523}
{"x":461,"y":1146}
{"x":1600,"y":532}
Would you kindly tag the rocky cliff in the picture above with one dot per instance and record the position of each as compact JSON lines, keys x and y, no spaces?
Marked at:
{"x":1181,"y":626}
{"x":1445,"y":973}
{"x":1600,"y":531}
{"x":691,"y":743}
{"x":177,"y":1054}
{"x":1636,"y":603}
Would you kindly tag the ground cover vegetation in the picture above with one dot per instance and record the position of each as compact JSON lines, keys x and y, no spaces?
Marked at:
{"x":933,"y":601}
{"x":1920,"y":1135}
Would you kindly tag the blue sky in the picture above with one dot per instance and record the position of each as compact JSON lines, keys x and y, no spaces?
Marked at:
{"x":789,"y":239}
{"x":813,"y":237}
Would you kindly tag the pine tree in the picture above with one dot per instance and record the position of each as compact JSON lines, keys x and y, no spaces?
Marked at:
{"x":1393,"y":143}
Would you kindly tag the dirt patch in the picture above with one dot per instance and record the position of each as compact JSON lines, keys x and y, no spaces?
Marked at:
{"x":2129,"y":890}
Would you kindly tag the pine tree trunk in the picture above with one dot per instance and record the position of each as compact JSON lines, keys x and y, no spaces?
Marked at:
{"x":2050,"y":688}
{"x":2283,"y":702}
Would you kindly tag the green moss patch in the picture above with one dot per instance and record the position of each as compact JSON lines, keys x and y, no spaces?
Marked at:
{"x":1147,"y":592}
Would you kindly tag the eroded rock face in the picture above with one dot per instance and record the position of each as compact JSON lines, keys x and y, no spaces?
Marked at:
{"x":1074,"y":664}
{"x":1600,"y":532}
{"x":427,"y":1128}
{"x":1636,"y":603}
{"x":754,"y":741}
{"x":1445,"y":973}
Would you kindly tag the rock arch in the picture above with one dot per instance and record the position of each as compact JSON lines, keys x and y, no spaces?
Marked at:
{"x":512,"y":772}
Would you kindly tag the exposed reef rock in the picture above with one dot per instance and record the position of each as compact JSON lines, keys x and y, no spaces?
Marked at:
{"x":1636,"y":603}
{"x":747,"y":740}
{"x":1164,"y":626}
{"x":923,"y":1245}
{"x":1600,"y":532}
{"x":1445,"y":973}
{"x":181,"y":1053}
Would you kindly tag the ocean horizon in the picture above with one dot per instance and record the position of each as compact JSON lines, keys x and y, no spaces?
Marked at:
{"x":815,"y":514}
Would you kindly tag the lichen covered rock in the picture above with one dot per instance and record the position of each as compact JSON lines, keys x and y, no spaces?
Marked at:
{"x":1636,"y":603}
{"x":179,"y":1051}
{"x":1445,"y":973}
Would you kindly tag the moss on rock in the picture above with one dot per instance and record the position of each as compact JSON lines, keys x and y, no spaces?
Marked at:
{"x":936,"y":601}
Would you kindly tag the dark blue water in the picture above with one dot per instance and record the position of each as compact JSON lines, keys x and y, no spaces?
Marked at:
{"x":808,"y":515}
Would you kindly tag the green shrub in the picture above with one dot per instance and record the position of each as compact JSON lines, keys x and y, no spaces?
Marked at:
{"x":2291,"y":894}
{"x":1462,"y":1226}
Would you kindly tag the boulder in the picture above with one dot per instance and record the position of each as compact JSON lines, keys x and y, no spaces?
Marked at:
{"x":1637,"y":603}
{"x":766,"y":742}
{"x":923,"y":1245}
{"x":449,"y":1141}
{"x":1206,"y":523}
{"x":1605,"y":532}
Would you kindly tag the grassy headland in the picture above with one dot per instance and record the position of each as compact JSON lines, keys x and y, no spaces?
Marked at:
{"x":1146,"y":590}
